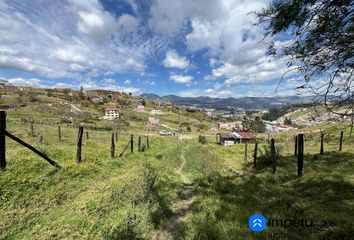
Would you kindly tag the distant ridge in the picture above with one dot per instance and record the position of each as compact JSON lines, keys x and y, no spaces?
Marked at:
{"x":222,"y":103}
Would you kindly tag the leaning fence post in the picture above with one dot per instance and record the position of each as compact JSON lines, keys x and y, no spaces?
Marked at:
{"x":132,"y":143}
{"x":139,"y":144}
{"x":321,"y":149}
{"x":246,"y":151}
{"x":113,"y":147}
{"x":2,"y":140}
{"x":272,"y":151}
{"x":295,"y":150}
{"x":79,"y":144}
{"x":300,"y":157}
{"x":59,"y":133}
{"x":255,"y":155}
{"x":32,"y":149}
{"x":87,"y":136}
{"x":341,"y":141}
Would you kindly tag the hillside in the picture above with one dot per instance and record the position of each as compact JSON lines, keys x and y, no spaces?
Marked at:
{"x":221,"y":103}
{"x":177,"y":188}
{"x":66,"y":106}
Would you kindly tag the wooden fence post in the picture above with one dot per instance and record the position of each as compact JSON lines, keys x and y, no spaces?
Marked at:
{"x":32,"y":130}
{"x":132,"y":143}
{"x":79,"y":144}
{"x":40,"y":140}
{"x":255,"y":155}
{"x":2,"y":140}
{"x":246,"y":151}
{"x":147,"y":142}
{"x":87,"y":136}
{"x":295,"y":150}
{"x":321,"y":149}
{"x":139,"y":144}
{"x":59,"y":133}
{"x":113,"y":147}
{"x":300,"y":156}
{"x":272,"y":151}
{"x":116,"y":137}
{"x":341,"y":141}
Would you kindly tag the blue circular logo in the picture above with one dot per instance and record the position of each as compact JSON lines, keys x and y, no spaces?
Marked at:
{"x":257,"y":223}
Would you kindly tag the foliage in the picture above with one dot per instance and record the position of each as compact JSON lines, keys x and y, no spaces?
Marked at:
{"x":321,"y":48}
{"x":266,"y":153}
{"x":275,"y":113}
{"x":81,"y":93}
{"x":254,"y":125}
{"x":202,"y":139}
{"x":288,"y":121}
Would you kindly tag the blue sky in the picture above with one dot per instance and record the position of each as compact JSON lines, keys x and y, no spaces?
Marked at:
{"x":185,"y":47}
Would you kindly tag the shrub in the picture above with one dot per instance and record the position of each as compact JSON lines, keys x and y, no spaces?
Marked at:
{"x":266,"y":153}
{"x":202,"y":139}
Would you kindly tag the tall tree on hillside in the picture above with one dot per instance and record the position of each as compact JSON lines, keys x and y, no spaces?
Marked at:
{"x":81,"y":93}
{"x":321,"y":49}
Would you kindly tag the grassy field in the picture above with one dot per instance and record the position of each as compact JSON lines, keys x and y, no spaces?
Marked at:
{"x":131,"y":197}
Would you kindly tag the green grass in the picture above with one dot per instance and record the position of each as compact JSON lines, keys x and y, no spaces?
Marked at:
{"x":128,"y":197}
{"x":325,"y":193}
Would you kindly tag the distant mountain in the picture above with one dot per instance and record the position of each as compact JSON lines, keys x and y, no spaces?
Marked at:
{"x":223,"y":103}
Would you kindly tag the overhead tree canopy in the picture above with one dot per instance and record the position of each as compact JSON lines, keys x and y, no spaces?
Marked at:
{"x":321,"y":48}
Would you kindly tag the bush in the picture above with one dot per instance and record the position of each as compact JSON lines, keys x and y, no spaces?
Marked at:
{"x":202,"y":139}
{"x":266,"y":153}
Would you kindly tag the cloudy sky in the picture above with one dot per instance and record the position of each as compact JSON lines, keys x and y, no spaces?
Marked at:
{"x":184,"y":47}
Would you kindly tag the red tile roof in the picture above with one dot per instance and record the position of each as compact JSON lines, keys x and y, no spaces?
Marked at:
{"x":246,"y":135}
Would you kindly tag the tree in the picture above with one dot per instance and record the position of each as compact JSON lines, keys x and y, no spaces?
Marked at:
{"x":81,"y":93}
{"x":321,"y":48}
{"x":288,"y":121}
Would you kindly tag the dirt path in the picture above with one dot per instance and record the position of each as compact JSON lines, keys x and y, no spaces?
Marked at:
{"x":180,"y":209}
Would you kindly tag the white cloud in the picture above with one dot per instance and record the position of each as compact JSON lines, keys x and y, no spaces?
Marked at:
{"x":261,"y":71}
{"x":108,"y":80}
{"x":181,"y":78}
{"x":25,"y":82}
{"x":226,"y":30}
{"x":84,"y":36}
{"x":109,"y":86}
{"x":127,"y":82}
{"x":206,"y":92}
{"x":128,"y":22}
{"x":173,"y":60}
{"x":204,"y":35}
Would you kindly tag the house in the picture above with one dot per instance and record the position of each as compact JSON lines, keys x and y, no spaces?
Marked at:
{"x":153,"y":122}
{"x":243,"y":137}
{"x":225,"y":139}
{"x":140,"y":108}
{"x":111,"y":113}
{"x":156,"y":112}
{"x":232,"y":138}
{"x":228,"y":125}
